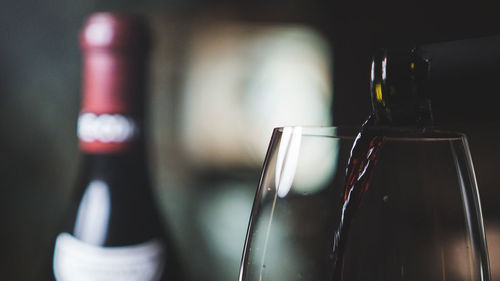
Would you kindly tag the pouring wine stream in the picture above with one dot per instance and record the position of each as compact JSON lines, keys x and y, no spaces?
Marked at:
{"x":397,"y":80}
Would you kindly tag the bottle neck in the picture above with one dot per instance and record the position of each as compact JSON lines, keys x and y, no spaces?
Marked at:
{"x":112,"y":113}
{"x":115,"y":50}
{"x":398,"y":93}
{"x":131,"y":162}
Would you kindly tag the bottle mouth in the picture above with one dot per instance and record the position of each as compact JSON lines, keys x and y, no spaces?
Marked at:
{"x":115,"y":31}
{"x":397,"y":85}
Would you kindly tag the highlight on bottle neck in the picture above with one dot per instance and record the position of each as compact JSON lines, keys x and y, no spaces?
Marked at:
{"x":115,"y":49}
{"x":397,"y":85}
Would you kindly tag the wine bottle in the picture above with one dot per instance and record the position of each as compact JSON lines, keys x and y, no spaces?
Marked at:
{"x":114,"y":230}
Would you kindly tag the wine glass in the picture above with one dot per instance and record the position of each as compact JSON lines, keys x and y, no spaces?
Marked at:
{"x":417,"y":215}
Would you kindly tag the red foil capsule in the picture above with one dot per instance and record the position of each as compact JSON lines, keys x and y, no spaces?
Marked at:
{"x":115,"y":48}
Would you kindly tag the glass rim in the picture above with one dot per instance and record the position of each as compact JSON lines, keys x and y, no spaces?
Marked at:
{"x":391,"y":133}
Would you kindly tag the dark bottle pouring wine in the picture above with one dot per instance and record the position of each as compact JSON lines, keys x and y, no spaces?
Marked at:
{"x":114,"y":230}
{"x":397,"y":88}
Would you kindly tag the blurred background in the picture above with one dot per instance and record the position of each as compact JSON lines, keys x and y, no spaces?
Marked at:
{"x":223,"y":74}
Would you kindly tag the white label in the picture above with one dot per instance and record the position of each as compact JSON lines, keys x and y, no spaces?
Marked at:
{"x":78,"y":261}
{"x":105,"y":128}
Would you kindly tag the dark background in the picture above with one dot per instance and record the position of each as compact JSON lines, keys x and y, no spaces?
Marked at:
{"x":40,"y":91}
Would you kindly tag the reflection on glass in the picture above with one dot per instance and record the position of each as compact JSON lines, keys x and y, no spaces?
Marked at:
{"x":314,"y":169}
{"x":91,"y":223}
{"x":420,"y":219}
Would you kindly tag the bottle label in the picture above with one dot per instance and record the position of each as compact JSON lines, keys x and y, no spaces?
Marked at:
{"x":78,"y":261}
{"x":103,"y":133}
